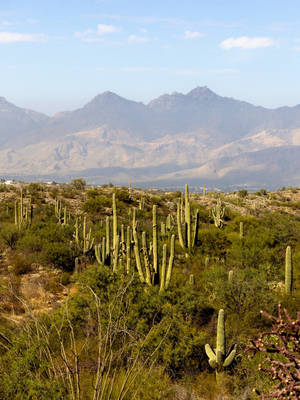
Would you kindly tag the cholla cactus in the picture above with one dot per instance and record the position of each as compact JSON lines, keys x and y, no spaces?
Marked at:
{"x":218,"y":358}
{"x":281,"y":347}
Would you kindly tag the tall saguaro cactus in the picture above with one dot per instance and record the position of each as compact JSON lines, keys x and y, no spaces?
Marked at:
{"x":288,"y":271}
{"x":187,"y":217}
{"x":154,"y":240}
{"x":190,"y":238}
{"x":218,"y":358}
{"x":217,"y":213}
{"x":115,"y":219}
{"x":23,"y":212}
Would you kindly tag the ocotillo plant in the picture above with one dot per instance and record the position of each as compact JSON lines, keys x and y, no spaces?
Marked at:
{"x":218,"y":358}
{"x":217,"y":213}
{"x":190,"y":237}
{"x":288,"y":271}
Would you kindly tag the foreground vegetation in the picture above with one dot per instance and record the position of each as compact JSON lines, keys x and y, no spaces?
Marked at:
{"x":118,"y":293}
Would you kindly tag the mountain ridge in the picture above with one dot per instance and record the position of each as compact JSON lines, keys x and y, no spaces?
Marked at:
{"x":184,"y":131}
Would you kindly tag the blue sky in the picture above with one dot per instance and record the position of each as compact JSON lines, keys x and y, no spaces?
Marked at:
{"x":57,"y":55}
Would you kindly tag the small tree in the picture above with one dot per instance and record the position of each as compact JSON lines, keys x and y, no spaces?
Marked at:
{"x":78,"y":184}
{"x":282,"y":347}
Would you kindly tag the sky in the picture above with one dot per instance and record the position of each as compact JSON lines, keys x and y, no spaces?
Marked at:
{"x":56,"y":55}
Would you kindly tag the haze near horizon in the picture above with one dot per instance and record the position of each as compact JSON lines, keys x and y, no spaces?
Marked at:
{"x":56,"y":56}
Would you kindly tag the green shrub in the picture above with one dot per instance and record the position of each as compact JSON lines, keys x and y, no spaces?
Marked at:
{"x":10,"y":235}
{"x":59,"y":255}
{"x":96,"y":205}
{"x":243,"y":193}
{"x":21,"y":264}
{"x":78,"y":184}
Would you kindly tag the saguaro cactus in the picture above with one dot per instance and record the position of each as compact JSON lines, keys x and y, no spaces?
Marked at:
{"x":217,"y":213}
{"x":288,"y":271}
{"x":218,"y":358}
{"x":241,"y":230}
{"x":23,"y":212}
{"x":190,"y":238}
{"x":115,"y":219}
{"x":154,"y":240}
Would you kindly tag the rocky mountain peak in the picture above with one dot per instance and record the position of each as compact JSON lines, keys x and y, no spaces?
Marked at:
{"x":202,"y":92}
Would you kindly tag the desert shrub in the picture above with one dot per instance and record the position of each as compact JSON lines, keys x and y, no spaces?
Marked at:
{"x":33,"y":189}
{"x":96,"y":205}
{"x":261,"y":192}
{"x":24,"y":374}
{"x":243,"y":193}
{"x":31,"y":243}
{"x":252,"y":251}
{"x":175,"y":318}
{"x":68,"y":191}
{"x":53,"y":232}
{"x":213,"y":242}
{"x":3,"y":188}
{"x":21,"y":264}
{"x":10,"y":235}
{"x":54,"y":193}
{"x":58,"y":255}
{"x":155,"y":200}
{"x":78,"y":184}
{"x":92,"y":193}
{"x":124,"y":196}
{"x":243,"y":297}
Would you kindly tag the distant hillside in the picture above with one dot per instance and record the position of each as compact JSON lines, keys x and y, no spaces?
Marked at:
{"x":195,"y":136}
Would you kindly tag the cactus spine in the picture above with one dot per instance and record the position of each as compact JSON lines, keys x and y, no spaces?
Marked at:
{"x":288,"y":271}
{"x":218,"y":358}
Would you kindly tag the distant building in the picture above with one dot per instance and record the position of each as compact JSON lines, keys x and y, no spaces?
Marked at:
{"x":51,"y":183}
{"x":9,"y":182}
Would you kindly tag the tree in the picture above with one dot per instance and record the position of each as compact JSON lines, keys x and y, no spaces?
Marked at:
{"x":78,"y":183}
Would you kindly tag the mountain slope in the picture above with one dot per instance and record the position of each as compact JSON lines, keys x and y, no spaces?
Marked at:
{"x":17,"y":123}
{"x":198,"y":135}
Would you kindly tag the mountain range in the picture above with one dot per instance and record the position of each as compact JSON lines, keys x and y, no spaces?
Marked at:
{"x":197,"y":138}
